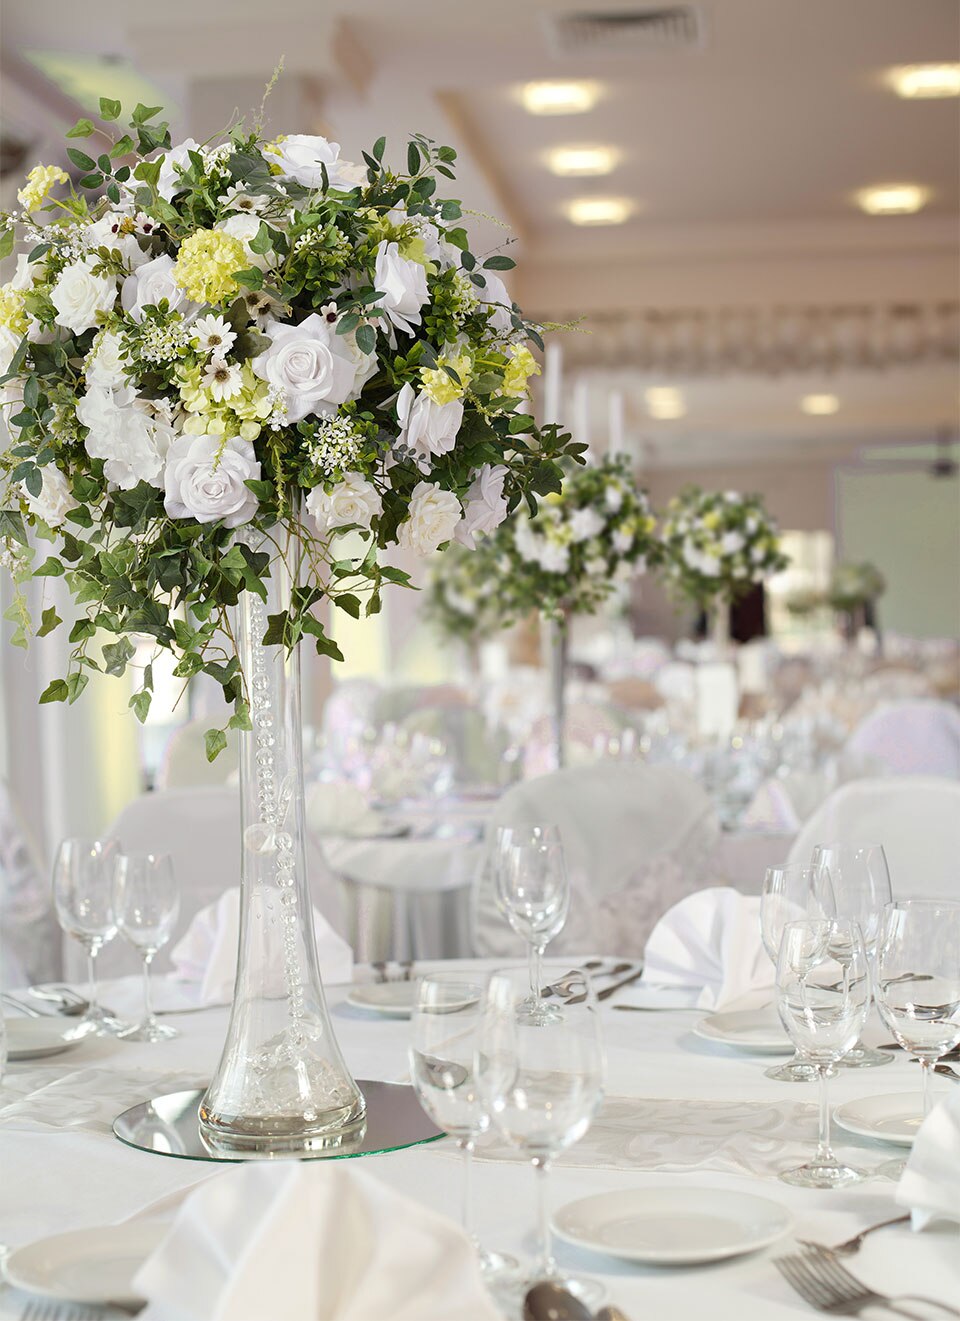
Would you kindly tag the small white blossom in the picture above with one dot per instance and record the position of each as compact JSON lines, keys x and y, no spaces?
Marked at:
{"x":223,"y":379}
{"x":236,"y":198}
{"x":215,"y":335}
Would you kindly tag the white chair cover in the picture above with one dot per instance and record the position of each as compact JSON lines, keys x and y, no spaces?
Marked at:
{"x":636,"y":839}
{"x":473,"y":748}
{"x":919,"y":737}
{"x":677,"y":682}
{"x":917,"y":820}
{"x":29,"y":945}
{"x":185,"y":762}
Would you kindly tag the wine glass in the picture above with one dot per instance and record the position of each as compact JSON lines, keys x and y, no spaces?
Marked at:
{"x":859,"y":882}
{"x":443,"y":1053}
{"x":83,"y":899}
{"x":791,"y":892}
{"x":823,"y":994}
{"x":146,"y":903}
{"x":918,"y":984}
{"x":542,"y":1081}
{"x":533,"y":892}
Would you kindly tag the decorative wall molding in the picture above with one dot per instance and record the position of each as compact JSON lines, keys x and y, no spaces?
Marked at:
{"x":769,"y":341}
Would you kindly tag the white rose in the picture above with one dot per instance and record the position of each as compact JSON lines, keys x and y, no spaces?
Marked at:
{"x":596,"y":567}
{"x":758,"y":555}
{"x":485,"y":507}
{"x":732,"y":497}
{"x":527,"y":543}
{"x":622,"y":540}
{"x":495,"y":297}
{"x":80,"y":296}
{"x":554,"y":558}
{"x":301,"y":156}
{"x":106,"y":233}
{"x":613,"y":498}
{"x":204,"y":479}
{"x":26,"y":273}
{"x":9,"y":343}
{"x":244,"y":226}
{"x":751,"y":525}
{"x":403,"y":283}
{"x":585,"y":523}
{"x":125,"y":435}
{"x":54,"y":501}
{"x":433,"y":515}
{"x":731,"y":542}
{"x":354,"y":500}
{"x":168,"y":184}
{"x":316,"y":368}
{"x":625,"y":573}
{"x":104,"y":365}
{"x":426,"y":427}
{"x":150,"y":284}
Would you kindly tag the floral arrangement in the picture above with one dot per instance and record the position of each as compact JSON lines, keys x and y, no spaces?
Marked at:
{"x":717,"y":544}
{"x":248,"y":334}
{"x":463,"y":598}
{"x":855,"y":585}
{"x":581,"y":545}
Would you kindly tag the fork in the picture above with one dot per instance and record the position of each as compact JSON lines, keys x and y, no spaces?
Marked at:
{"x":41,"y":1309}
{"x":825,"y":1284}
{"x":852,"y":1245}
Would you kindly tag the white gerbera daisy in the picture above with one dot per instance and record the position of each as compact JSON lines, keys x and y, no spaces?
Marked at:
{"x":216,"y":336}
{"x":222,"y":379}
{"x":236,"y":198}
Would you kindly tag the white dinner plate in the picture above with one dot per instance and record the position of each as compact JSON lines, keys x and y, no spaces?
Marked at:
{"x":32,"y":1038}
{"x":756,"y":1031}
{"x":86,"y":1265}
{"x":393,"y":999}
{"x":672,"y":1226}
{"x":893,"y":1117}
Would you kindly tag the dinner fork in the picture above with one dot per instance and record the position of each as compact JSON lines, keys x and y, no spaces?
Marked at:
{"x":851,"y":1245}
{"x":825,"y":1284}
{"x":41,"y":1309}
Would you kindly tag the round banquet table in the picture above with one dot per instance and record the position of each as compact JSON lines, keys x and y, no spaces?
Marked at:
{"x":685,"y":1113}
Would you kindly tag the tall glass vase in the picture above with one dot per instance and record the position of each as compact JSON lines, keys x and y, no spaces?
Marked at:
{"x":281,"y":1084}
{"x":558,"y":644}
{"x":719,"y":624}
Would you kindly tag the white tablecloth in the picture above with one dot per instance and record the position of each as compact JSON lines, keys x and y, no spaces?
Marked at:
{"x":62,"y":1169}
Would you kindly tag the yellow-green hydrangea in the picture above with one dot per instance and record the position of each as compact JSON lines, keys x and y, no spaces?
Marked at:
{"x":240,"y":415}
{"x":13,"y":314}
{"x":40,"y":180}
{"x":519,"y":369}
{"x":207,"y":263}
{"x":440,"y":387}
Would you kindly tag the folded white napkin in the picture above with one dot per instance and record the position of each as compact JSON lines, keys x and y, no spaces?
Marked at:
{"x":711,"y":939}
{"x":208,"y":951}
{"x":318,"y":1241}
{"x":336,"y":808}
{"x":772,"y":809}
{"x":930,"y":1184}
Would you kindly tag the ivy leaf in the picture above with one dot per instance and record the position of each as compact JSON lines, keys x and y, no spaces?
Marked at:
{"x":109,"y":109}
{"x":144,"y":112}
{"x":261,"y":241}
{"x":325,"y":646}
{"x":6,"y":243}
{"x":81,"y":159}
{"x":48,"y":621}
{"x":348,"y":602}
{"x":76,"y":683}
{"x":11,"y":525}
{"x":251,"y":277}
{"x":50,"y":568}
{"x":215,"y":740}
{"x":57,"y":691}
{"x":81,"y":129}
{"x":116,"y":655}
{"x":241,"y":717}
{"x":82,"y":630}
{"x":140,"y":702}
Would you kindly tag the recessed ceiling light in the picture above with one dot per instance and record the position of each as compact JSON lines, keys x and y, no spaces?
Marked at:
{"x":664,"y":402}
{"x":918,"y":82}
{"x":582,"y":160}
{"x":559,"y":98}
{"x":599,"y":210}
{"x":893,"y":199}
{"x":820,"y":405}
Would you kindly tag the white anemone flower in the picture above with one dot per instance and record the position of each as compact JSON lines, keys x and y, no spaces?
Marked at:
{"x":222,"y":379}
{"x":236,"y":198}
{"x":216,"y":335}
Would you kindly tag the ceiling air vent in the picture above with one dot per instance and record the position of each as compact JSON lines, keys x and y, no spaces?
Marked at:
{"x":627,"y":31}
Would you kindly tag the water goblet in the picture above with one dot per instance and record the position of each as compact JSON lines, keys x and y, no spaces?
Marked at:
{"x":542,"y":1081}
{"x":146,"y":903}
{"x":534,"y":894}
{"x":823,"y":994}
{"x":442,"y":1055}
{"x":859,"y":883}
{"x":83,"y":899}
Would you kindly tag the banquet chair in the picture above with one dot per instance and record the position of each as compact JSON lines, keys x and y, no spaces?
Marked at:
{"x":185,"y":763}
{"x":29,"y":943}
{"x":915,"y":817}
{"x":636,"y":839}
{"x":916,"y":737}
{"x":200,"y":829}
{"x":473,"y":748}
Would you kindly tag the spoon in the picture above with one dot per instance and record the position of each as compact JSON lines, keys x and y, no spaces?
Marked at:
{"x":551,"y":1302}
{"x":611,"y":1313}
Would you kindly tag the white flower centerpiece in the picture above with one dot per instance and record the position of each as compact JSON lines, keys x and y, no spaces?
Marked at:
{"x":717,"y":545}
{"x":216,"y":358}
{"x":462,"y":600}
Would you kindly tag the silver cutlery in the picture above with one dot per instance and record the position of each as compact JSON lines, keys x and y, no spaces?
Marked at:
{"x":825,"y":1284}
{"x":42,"y":1309}
{"x":611,"y":1313}
{"x":551,"y":1302}
{"x":24,"y":1008}
{"x":64,"y":998}
{"x":852,"y":1245}
{"x":657,"y":1009}
{"x":607,"y":991}
{"x":379,"y":970}
{"x":945,"y":1071}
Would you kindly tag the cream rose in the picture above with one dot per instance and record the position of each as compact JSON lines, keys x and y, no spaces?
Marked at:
{"x":427,"y":428}
{"x":585,"y":524}
{"x":485,"y":507}
{"x":316,"y":368}
{"x":80,"y":296}
{"x":403,"y":283}
{"x":54,"y":501}
{"x":171,"y":163}
{"x":303,"y":157}
{"x":206,"y":482}
{"x":432,"y":518}
{"x":150,"y":284}
{"x":352,"y":501}
{"x":104,"y":365}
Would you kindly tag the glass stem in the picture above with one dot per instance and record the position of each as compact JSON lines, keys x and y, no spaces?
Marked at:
{"x":926,"y":1067}
{"x":546,"y":1266}
{"x":147,"y":997}
{"x":92,"y":1006}
{"x":466,"y":1147}
{"x":824,"y":1154}
{"x":535,"y":964}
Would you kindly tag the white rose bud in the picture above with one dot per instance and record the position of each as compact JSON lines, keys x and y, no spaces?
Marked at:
{"x":403,"y":283}
{"x":432,"y":518}
{"x":80,"y":296}
{"x":54,"y":501}
{"x":205,"y":482}
{"x":426,"y":427}
{"x":352,"y":501}
{"x":485,"y":507}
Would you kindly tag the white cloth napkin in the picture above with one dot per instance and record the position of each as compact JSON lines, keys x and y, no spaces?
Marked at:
{"x":336,"y":808}
{"x":930,"y":1184}
{"x":207,"y":954}
{"x":711,"y":939}
{"x":318,"y":1241}
{"x":771,"y":809}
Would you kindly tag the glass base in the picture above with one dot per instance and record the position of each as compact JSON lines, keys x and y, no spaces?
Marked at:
{"x":149,"y":1030}
{"x":822,"y":1174}
{"x":497,"y":1267}
{"x":97,"y":1024}
{"x":795,"y":1070}
{"x":863,"y":1057}
{"x":891,"y":1169}
{"x":532,"y":1013}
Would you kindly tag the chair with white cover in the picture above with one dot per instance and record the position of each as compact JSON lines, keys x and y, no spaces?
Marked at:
{"x":916,"y":737}
{"x":185,"y":763}
{"x":200,"y":829}
{"x":636,"y":839}
{"x":472,"y":747}
{"x":915,"y":817}
{"x":29,"y":946}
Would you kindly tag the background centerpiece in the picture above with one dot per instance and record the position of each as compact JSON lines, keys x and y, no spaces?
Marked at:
{"x":216,"y":359}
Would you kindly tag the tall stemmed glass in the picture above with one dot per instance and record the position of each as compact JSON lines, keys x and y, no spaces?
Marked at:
{"x":83,"y":899}
{"x":918,"y":985}
{"x":823,"y":994}
{"x":543,"y":1084}
{"x":443,"y":1055}
{"x":790,"y":893}
{"x":147,"y":903}
{"x":859,"y":881}
{"x":533,"y":891}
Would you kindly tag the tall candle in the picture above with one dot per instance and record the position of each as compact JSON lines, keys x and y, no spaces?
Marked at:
{"x":581,"y":411}
{"x":552,"y":376}
{"x":615,"y":422}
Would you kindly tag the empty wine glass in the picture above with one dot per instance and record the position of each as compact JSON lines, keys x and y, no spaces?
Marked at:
{"x":823,"y":994}
{"x":147,"y":903}
{"x":859,"y":883}
{"x":83,"y":899}
{"x":918,"y":984}
{"x":790,"y":893}
{"x":443,"y":1053}
{"x":542,"y":1081}
{"x":533,"y":893}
